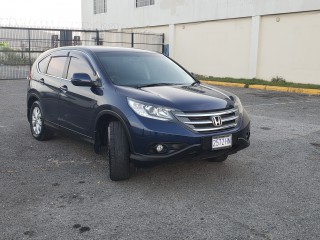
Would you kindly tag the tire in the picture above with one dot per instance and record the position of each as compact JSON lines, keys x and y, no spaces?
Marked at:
{"x":38,"y":129}
{"x":218,"y":159}
{"x":118,"y":152}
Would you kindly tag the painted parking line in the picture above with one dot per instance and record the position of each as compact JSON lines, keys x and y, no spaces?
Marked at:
{"x":1,"y":126}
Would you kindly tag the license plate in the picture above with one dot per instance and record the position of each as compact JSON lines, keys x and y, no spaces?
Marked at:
{"x":221,"y":142}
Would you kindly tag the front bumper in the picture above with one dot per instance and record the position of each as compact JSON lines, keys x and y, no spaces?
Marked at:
{"x":201,"y":146}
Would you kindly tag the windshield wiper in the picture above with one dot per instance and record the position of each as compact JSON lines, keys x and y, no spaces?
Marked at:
{"x":155,"y":85}
{"x":195,"y":83}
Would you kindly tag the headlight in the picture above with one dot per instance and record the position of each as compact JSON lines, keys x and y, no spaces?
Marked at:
{"x":150,"y":111}
{"x":238,"y":105}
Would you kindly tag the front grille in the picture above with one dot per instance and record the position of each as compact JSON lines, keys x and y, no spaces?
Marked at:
{"x":203,"y":121}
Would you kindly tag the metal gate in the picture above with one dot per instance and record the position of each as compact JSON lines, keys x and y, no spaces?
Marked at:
{"x":19,"y":47}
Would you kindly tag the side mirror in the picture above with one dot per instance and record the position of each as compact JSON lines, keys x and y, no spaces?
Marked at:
{"x":82,"y":79}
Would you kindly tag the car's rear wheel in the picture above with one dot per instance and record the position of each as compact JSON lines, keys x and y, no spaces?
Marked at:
{"x":218,"y":159}
{"x":38,"y":129}
{"x":118,"y":152}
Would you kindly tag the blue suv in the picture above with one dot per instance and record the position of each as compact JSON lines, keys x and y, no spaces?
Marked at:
{"x":141,"y":105}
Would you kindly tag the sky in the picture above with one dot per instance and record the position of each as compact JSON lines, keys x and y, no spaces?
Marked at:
{"x":41,"y":13}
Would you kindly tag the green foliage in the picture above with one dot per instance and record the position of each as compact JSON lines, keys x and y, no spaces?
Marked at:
{"x":278,"y":79}
{"x":10,"y":57}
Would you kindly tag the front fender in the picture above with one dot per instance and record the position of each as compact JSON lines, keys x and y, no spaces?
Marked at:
{"x":109,"y":113}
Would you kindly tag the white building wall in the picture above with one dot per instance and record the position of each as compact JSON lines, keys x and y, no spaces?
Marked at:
{"x":124,"y":14}
{"x":227,"y":38}
{"x":217,"y":48}
{"x":290,"y":47}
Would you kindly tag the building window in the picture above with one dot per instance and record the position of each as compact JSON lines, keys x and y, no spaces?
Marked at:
{"x":99,"y":6}
{"x":142,"y":3}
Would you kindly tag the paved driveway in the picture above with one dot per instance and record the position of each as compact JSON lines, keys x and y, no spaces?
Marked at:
{"x":60,"y":189}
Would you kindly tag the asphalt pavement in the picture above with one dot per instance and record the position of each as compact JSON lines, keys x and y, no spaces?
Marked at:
{"x":60,"y":189}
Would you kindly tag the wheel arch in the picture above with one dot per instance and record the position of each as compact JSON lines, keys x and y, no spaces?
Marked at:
{"x":31,"y":99}
{"x":101,"y":124}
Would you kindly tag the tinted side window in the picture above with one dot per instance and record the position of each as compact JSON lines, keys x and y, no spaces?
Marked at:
{"x":56,"y":66}
{"x":43,"y":64}
{"x":78,"y":65}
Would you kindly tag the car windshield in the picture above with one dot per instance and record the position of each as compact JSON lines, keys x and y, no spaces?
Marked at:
{"x":143,"y":69}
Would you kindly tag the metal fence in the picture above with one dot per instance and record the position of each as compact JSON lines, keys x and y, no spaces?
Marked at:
{"x":19,"y":47}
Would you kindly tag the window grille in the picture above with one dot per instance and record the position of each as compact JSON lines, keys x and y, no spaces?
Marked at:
{"x":142,"y":3}
{"x":99,"y":6}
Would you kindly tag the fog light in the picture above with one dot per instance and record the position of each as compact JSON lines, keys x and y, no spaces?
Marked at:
{"x":248,"y":135}
{"x":159,"y":148}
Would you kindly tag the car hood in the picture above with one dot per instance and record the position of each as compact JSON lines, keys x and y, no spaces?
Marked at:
{"x":200,"y":97}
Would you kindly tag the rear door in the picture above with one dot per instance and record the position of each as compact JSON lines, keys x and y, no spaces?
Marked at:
{"x":52,"y":70}
{"x":77,"y":104}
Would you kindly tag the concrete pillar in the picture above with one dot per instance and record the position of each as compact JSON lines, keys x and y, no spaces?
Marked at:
{"x":254,"y":46}
{"x":171,"y":40}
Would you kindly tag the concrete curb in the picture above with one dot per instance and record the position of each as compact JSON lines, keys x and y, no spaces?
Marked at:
{"x":266,"y":87}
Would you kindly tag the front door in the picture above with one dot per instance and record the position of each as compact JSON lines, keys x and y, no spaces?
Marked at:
{"x":77,"y":103}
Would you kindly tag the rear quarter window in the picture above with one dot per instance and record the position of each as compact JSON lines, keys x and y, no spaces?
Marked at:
{"x":43,"y":64}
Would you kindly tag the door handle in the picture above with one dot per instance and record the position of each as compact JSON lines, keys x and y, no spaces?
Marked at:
{"x":64,"y":88}
{"x":41,"y":80}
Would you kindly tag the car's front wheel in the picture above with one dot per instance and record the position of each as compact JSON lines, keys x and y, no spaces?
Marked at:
{"x":38,"y":129}
{"x":118,"y":152}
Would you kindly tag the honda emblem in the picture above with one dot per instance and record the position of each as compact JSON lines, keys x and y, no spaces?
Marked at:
{"x":216,"y":121}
